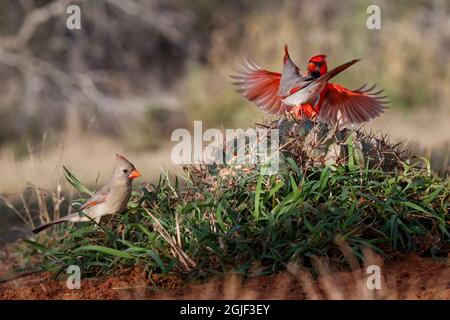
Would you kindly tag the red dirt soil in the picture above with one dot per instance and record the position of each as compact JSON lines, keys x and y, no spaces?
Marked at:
{"x":409,"y":277}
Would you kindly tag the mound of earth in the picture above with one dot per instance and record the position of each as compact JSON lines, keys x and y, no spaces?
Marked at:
{"x":407,"y":277}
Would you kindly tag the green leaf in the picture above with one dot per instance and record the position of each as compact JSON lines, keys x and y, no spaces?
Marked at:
{"x":308,"y":225}
{"x":258,"y":195}
{"x":293,"y":165}
{"x":415,"y":206}
{"x":158,"y":261}
{"x":76,"y":183}
{"x":432,"y":196}
{"x":324,"y":176}
{"x":276,"y":188}
{"x":351,"y":156}
{"x":219,"y":217}
{"x":294,"y":185}
{"x":105,"y":250}
{"x":144,"y":230}
{"x":36,"y":245}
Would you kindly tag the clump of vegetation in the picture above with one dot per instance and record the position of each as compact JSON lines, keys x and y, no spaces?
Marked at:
{"x":223,"y":218}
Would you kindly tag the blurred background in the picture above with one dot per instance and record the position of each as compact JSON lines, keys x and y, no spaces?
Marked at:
{"x":138,"y":69}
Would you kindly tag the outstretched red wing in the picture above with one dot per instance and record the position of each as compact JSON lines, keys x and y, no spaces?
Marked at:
{"x":345,"y":106}
{"x":260,"y":86}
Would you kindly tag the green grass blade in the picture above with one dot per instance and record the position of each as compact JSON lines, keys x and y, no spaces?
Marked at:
{"x":105,"y":250}
{"x":258,"y":195}
{"x":76,"y":183}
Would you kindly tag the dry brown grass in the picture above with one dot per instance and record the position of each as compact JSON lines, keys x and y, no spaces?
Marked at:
{"x":90,"y":155}
{"x":415,"y":76}
{"x":425,"y":128}
{"x":86,"y":156}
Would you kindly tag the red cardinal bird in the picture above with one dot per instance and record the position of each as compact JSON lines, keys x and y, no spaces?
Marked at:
{"x":310,"y":95}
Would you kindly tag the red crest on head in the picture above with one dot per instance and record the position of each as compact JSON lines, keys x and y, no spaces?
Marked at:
{"x":317,"y":65}
{"x":318,"y":58}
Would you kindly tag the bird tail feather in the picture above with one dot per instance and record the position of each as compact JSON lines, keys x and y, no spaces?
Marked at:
{"x":74,"y":217}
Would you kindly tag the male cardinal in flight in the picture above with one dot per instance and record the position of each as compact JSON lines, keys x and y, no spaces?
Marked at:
{"x":308,"y":95}
{"x":110,"y":199}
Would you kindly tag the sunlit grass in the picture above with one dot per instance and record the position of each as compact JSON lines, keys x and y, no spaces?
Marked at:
{"x":210,"y":223}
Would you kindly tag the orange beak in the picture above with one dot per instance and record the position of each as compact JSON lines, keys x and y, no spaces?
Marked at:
{"x":134,"y":174}
{"x":312,"y":67}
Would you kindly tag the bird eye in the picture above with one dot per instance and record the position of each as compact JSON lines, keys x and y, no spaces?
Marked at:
{"x":319,"y":64}
{"x":125,"y":170}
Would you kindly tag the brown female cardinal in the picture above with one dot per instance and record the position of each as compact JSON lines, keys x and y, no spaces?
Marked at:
{"x":309,"y":95}
{"x":110,"y":199}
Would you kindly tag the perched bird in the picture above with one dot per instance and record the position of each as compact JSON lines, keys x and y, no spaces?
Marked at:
{"x":110,"y":199}
{"x":308,"y":95}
